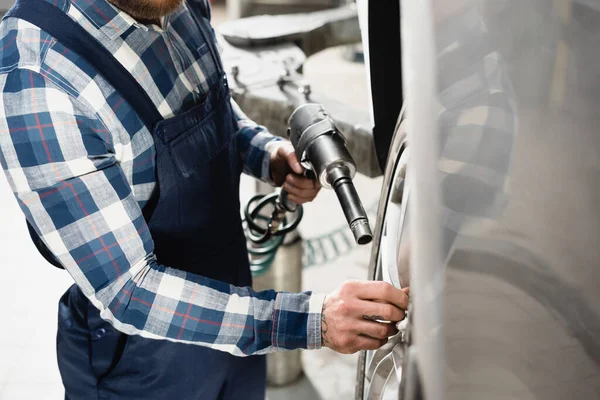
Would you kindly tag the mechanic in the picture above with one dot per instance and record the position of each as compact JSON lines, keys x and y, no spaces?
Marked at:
{"x":124,"y":151}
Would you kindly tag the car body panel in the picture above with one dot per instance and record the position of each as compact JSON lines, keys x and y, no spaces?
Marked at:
{"x":502,"y":121}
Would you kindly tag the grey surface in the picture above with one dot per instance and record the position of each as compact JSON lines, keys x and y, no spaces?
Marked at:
{"x":312,"y":32}
{"x":542,"y":263}
{"x":244,"y":8}
{"x":519,"y":295}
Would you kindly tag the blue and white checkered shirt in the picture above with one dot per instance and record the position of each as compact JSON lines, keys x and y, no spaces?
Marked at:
{"x":82,"y":165}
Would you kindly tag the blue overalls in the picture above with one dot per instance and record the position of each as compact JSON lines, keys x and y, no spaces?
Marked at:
{"x":196,"y":226}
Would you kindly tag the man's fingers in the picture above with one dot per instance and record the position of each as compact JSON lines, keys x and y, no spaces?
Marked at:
{"x":300,"y":200}
{"x":382,"y":291}
{"x":301,"y":182}
{"x":300,"y":192}
{"x":377,"y":311}
{"x":367,"y":343}
{"x":287,"y":153}
{"x":376,"y":330}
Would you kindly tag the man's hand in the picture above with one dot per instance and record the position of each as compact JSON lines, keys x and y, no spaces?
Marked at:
{"x":349,"y":314}
{"x":286,"y":171}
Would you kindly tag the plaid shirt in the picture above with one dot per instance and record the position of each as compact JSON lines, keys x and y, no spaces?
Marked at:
{"x":82,"y":165}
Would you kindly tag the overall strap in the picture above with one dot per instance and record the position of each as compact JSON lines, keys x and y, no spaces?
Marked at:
{"x":70,"y":34}
{"x":73,"y":36}
{"x":200,"y":11}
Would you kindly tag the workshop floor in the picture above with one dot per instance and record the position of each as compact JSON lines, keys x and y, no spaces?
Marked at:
{"x":30,"y":288}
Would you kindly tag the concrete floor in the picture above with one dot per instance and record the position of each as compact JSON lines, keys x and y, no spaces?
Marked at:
{"x":30,"y":288}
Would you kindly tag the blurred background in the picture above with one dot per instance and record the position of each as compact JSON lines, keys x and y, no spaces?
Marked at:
{"x":30,"y":288}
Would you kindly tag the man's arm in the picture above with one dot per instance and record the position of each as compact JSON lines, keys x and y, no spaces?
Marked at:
{"x":61,"y":164}
{"x":256,"y":145}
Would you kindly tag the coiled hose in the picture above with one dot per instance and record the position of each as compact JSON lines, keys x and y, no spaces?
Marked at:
{"x":264,"y":240}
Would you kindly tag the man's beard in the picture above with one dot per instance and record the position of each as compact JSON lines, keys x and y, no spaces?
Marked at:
{"x":147,"y":10}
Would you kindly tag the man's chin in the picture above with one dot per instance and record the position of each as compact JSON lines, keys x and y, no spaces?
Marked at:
{"x":147,"y":10}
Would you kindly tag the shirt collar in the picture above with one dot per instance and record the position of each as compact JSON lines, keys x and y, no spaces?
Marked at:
{"x":109,"y":20}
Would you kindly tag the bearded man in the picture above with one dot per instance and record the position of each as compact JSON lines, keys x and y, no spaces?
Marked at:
{"x":124,"y":150}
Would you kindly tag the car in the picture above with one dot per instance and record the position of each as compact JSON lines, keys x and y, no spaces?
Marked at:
{"x":489,"y":207}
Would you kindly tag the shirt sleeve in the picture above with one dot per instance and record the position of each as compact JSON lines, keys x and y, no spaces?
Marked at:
{"x":61,"y":165}
{"x":256,"y":145}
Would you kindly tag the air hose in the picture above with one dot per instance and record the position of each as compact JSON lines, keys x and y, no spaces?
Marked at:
{"x":265,"y":241}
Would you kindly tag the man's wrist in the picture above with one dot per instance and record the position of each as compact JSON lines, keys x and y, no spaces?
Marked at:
{"x":270,"y":152}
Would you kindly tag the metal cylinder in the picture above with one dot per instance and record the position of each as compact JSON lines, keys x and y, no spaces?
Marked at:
{"x":285,"y":274}
{"x":328,"y":153}
{"x":353,"y":210}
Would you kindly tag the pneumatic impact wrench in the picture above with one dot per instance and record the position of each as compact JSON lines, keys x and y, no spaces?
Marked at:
{"x":321,"y":149}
